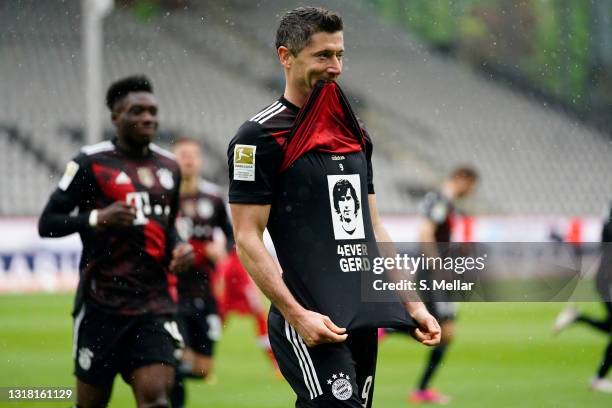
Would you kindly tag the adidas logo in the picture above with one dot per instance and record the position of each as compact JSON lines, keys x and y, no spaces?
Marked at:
{"x":123,"y":178}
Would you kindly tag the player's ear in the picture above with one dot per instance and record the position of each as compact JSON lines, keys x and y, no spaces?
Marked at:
{"x":115,"y":112}
{"x":285,"y":56}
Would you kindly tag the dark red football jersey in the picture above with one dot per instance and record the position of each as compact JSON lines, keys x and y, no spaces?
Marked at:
{"x":124,"y":270}
{"x":201,"y":213}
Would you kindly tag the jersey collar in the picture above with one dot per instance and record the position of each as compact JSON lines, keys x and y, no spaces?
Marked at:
{"x":289,"y":105}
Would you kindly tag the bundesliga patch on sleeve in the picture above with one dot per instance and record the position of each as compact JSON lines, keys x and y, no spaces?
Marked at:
{"x":244,"y":162}
{"x":71,"y":170}
{"x":439,"y":212}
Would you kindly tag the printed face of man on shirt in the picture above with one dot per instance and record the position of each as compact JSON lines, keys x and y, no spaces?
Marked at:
{"x":346,"y":204}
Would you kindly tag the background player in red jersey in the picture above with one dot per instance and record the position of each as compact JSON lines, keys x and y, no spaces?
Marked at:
{"x":126,"y":191}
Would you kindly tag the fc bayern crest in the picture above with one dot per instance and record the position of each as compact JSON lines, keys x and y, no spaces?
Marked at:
{"x":341,"y":386}
{"x":205,"y":208}
{"x":165,"y":178}
{"x":85,"y":356}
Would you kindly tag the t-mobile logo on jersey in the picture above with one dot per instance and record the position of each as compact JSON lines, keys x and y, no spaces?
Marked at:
{"x":345,"y":205}
{"x":140,"y":201}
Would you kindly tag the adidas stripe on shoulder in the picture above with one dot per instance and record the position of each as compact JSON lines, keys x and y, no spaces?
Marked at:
{"x":98,"y":148}
{"x":155,"y":148}
{"x":268,"y":112}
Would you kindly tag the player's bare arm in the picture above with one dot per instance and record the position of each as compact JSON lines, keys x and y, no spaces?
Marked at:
{"x":249,"y":224}
{"x":428,"y":331}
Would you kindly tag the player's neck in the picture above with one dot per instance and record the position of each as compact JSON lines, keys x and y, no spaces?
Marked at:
{"x":294,"y":96}
{"x":189,"y":185}
{"x":132,"y":150}
{"x":449,"y":191}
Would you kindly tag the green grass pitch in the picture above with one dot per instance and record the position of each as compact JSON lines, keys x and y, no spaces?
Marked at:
{"x":504,"y":356}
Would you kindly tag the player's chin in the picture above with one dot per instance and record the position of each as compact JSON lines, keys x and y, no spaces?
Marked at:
{"x":145,"y":136}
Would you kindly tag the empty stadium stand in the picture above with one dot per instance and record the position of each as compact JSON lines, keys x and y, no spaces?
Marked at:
{"x":213,"y":65}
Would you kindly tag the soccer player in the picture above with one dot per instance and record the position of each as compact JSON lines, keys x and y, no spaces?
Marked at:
{"x":284,"y":163}
{"x":202,"y":210}
{"x":604,"y":287}
{"x":437,"y":210}
{"x":127,"y":194}
{"x":203,"y":308}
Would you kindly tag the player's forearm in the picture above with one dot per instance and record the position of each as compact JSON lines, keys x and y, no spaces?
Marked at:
{"x":56,"y":221}
{"x":264,"y":271}
{"x":415,"y":307}
{"x":60,"y":225}
{"x":381,"y":234}
{"x":412,"y":303}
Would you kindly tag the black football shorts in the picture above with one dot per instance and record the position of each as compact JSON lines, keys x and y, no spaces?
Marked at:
{"x":199,"y":324}
{"x":106,"y":344}
{"x":328,"y":375}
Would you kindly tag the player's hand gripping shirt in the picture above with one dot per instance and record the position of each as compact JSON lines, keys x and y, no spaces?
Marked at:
{"x":122,"y":270}
{"x":313,"y":165}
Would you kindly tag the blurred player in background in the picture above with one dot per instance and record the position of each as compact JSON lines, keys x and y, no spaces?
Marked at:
{"x":604,"y":287}
{"x":437,"y":211}
{"x":127,"y":194}
{"x":202,"y":211}
{"x":218,"y":283}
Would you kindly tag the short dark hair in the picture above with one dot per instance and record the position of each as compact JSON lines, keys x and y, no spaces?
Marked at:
{"x":467,"y":172}
{"x":298,"y":25}
{"x":186,"y":140}
{"x":340,"y":189}
{"x":119,"y":89}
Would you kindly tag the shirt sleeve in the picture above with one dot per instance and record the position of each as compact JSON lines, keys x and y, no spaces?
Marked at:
{"x":225,"y":224}
{"x":254,"y":159}
{"x":173,"y":236}
{"x":75,"y":189}
{"x":369,"y":148}
{"x":434,"y":208}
